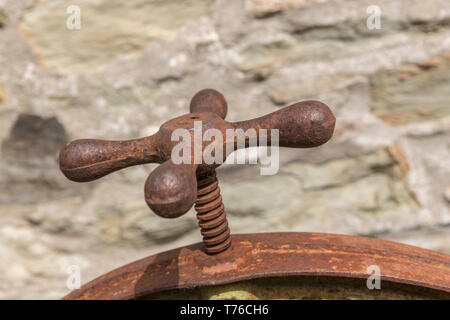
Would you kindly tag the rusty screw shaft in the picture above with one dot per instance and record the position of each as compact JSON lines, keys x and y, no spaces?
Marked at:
{"x":211,"y":215}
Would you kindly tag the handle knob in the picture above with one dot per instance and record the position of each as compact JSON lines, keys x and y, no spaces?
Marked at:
{"x":305,"y":124}
{"x":89,"y":159}
{"x":170,"y":189}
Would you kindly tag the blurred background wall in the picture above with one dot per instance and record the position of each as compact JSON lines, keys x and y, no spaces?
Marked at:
{"x":134,"y":64}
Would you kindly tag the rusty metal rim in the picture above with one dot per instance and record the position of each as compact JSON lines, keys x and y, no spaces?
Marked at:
{"x":271,"y":255}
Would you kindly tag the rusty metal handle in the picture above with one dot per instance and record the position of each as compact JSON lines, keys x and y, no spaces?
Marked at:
{"x":301,"y":125}
{"x":89,"y":159}
{"x":171,"y":189}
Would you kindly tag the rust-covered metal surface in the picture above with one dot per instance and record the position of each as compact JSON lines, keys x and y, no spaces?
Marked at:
{"x":265,"y":255}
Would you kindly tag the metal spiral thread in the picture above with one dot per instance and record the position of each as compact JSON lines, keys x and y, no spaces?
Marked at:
{"x":211,"y":215}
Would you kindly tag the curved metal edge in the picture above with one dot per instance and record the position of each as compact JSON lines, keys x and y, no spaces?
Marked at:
{"x":270,"y":255}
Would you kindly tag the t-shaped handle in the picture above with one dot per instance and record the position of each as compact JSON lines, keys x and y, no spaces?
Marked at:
{"x":171,"y":189}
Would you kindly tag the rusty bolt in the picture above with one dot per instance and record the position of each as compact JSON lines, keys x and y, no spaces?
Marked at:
{"x":171,"y":189}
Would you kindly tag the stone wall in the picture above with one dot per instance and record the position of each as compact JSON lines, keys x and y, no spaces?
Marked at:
{"x":136,"y":63}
